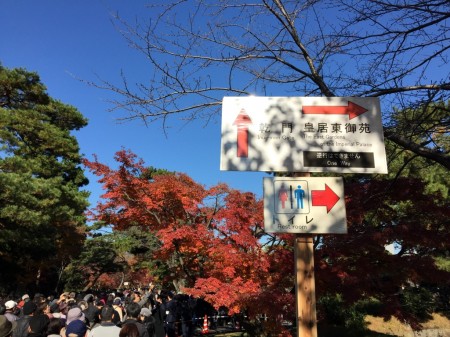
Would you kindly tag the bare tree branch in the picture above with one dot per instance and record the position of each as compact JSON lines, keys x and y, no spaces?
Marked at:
{"x":398,"y":51}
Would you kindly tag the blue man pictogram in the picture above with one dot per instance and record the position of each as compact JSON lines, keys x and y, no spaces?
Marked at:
{"x":299,"y":194}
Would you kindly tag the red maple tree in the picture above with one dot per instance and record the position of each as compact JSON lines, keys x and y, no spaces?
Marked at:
{"x":210,"y":239}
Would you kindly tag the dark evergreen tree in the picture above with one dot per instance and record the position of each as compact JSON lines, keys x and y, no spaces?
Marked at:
{"x":41,"y":202}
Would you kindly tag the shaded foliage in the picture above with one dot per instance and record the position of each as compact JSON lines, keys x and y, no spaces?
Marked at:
{"x":97,"y":257}
{"x":381,"y":213}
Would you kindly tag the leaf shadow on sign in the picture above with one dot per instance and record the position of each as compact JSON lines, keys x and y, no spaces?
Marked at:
{"x":286,"y":141}
{"x":259,"y":156}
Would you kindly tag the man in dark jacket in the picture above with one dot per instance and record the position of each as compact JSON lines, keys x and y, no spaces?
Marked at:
{"x":92,"y":313}
{"x":133,"y":311}
{"x":38,"y":325}
{"x":172,"y":315}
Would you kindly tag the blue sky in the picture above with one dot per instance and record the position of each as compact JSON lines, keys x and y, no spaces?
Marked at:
{"x":64,"y":40}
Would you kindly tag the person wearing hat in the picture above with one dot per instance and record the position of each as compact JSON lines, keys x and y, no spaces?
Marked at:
{"x":117,"y":305}
{"x":75,"y":314}
{"x":76,"y":328}
{"x":23,"y":323}
{"x":75,"y":323}
{"x":6,"y":327}
{"x":11,"y":309}
{"x":25,"y":298}
{"x":146,"y":318}
{"x":92,"y":313}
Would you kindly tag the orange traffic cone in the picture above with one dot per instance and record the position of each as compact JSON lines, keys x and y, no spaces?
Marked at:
{"x":205,"y":325}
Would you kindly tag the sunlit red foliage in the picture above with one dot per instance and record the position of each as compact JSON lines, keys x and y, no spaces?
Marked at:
{"x":210,"y":238}
{"x":130,"y":198}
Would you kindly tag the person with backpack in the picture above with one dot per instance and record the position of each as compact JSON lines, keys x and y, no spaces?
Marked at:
{"x":148,"y":320}
{"x":23,"y":323}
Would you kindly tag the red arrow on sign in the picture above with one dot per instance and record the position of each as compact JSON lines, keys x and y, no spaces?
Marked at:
{"x":242,"y":121}
{"x":326,"y":198}
{"x":352,"y":110}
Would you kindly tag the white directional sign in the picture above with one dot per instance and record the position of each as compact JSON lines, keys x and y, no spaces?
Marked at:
{"x":302,"y":134}
{"x":304,"y":205}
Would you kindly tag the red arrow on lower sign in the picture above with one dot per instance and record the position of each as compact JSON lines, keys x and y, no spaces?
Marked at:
{"x":352,"y":110}
{"x":326,"y":198}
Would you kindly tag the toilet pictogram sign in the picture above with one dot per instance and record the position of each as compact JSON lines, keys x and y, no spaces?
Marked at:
{"x":304,"y":205}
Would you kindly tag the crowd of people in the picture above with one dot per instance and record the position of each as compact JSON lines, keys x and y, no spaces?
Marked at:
{"x":129,"y":313}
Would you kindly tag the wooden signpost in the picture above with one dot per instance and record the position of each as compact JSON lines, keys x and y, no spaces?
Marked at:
{"x":305,"y":286}
{"x":299,"y":135}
